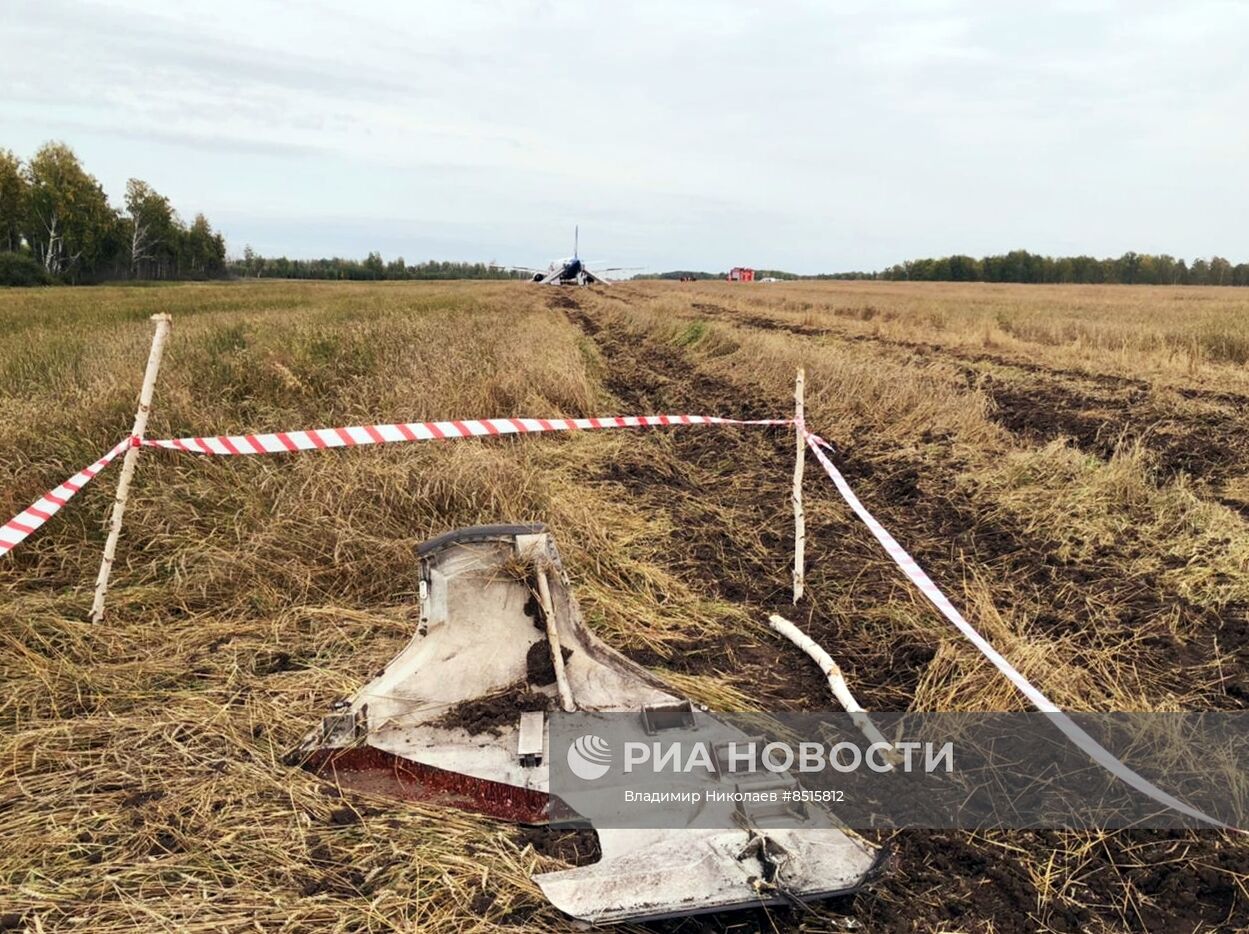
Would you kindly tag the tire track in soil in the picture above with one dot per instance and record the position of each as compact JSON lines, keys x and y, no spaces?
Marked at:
{"x":723,"y":487}
{"x":1212,"y":446}
{"x":762,"y":322}
{"x":936,"y":877}
{"x":922,"y":502}
{"x":1209,"y":446}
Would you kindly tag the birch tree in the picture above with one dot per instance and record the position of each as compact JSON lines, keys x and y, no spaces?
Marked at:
{"x":68,"y":218}
{"x":12,"y":201}
{"x":151,"y":221}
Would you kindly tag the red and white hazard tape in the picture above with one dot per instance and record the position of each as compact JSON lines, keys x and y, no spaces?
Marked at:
{"x":1096,"y":751}
{"x":320,"y":438}
{"x":48,"y":505}
{"x":20,"y":526}
{"x":43,"y":509}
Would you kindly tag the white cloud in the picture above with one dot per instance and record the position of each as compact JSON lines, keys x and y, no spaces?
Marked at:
{"x":801,"y":135}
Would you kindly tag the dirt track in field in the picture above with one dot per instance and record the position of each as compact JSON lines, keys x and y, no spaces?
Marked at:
{"x":1202,"y":433}
{"x":918,"y":499}
{"x":937,"y":880}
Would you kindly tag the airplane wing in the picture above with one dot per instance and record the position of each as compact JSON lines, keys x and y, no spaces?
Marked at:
{"x":596,"y":275}
{"x":517,"y":268}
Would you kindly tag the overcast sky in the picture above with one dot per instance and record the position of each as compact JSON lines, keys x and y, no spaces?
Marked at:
{"x":810,"y":136}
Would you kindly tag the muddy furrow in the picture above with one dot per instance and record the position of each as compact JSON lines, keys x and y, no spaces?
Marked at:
{"x":689,"y":486}
{"x":937,"y":878}
{"x":922,"y":502}
{"x":762,"y":322}
{"x":1097,"y":413}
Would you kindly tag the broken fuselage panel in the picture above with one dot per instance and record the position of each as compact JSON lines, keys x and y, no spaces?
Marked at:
{"x":459,"y":717}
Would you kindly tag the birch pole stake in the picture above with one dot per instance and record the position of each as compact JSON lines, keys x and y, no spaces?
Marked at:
{"x":552,"y":636}
{"x":800,"y":517}
{"x":836,"y":680}
{"x":127,"y":467}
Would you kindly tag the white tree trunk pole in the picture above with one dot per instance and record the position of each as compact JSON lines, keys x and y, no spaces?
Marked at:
{"x":127,"y":467}
{"x":836,"y":680}
{"x":800,"y":516}
{"x":552,"y":636}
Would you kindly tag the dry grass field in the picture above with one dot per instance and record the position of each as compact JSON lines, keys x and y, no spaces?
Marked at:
{"x":1070,"y":464}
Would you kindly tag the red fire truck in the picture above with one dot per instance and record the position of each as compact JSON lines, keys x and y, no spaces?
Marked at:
{"x":741,"y":274}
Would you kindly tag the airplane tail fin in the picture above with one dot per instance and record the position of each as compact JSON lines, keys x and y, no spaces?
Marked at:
{"x":576,"y":232}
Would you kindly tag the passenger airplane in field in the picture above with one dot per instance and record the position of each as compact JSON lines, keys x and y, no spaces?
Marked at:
{"x":571,"y":270}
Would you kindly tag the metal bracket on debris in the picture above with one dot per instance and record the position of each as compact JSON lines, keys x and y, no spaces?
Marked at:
{"x":529,"y":738}
{"x":345,"y":727}
{"x":658,"y":718}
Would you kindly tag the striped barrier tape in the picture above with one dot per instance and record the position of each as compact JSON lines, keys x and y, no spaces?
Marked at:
{"x":24,"y":523}
{"x":48,"y":505}
{"x":320,"y":438}
{"x":1096,"y":751}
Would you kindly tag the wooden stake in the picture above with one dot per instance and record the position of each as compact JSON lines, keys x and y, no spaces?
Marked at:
{"x":836,"y":680}
{"x":552,"y":635}
{"x":127,"y":467}
{"x":800,"y":517}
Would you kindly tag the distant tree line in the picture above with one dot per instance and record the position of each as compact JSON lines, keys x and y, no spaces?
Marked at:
{"x":681,"y":274}
{"x":687,"y":274}
{"x":373,"y":267}
{"x":56,"y":225}
{"x":1022,"y":266}
{"x":856,"y":274}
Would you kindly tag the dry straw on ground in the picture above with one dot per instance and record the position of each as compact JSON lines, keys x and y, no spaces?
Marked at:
{"x":1045,"y":453}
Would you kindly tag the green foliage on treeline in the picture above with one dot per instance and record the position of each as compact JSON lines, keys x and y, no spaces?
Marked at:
{"x":371,"y":268}
{"x":1022,"y":266}
{"x":681,"y":274}
{"x":57,"y":216}
{"x":684,"y":274}
{"x":20,"y":269}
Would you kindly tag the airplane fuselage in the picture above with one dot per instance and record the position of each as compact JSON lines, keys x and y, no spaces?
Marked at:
{"x":571,"y":270}
{"x":563,"y":271}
